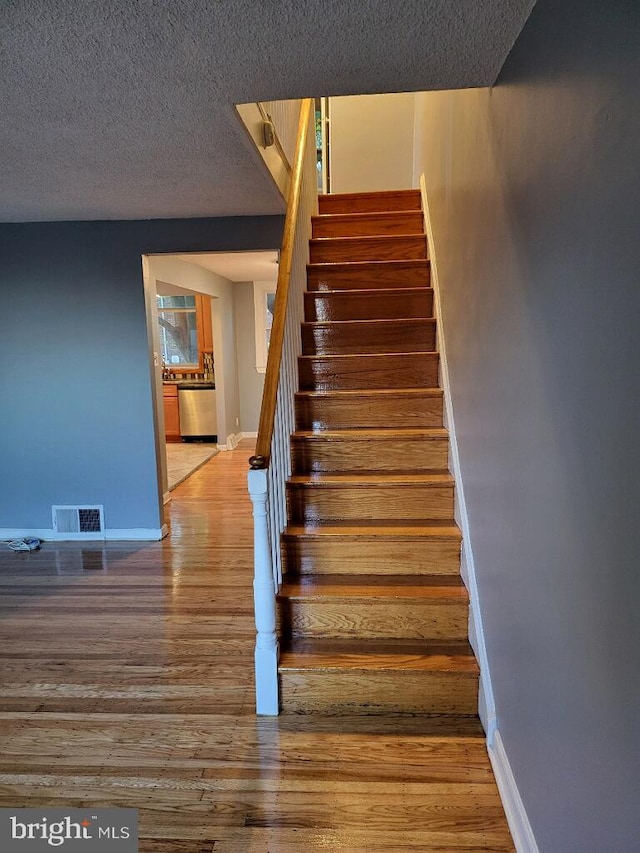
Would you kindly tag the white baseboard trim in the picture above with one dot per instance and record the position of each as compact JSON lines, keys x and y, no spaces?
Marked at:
{"x":149,"y":534}
{"x":232,"y":442}
{"x":7,"y":533}
{"x":514,"y":809}
{"x":249,"y":435}
{"x":112,"y":535}
{"x":486,"y":701}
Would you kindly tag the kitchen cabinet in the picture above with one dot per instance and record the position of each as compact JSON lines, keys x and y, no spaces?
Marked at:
{"x":171,"y":412}
{"x":205,"y":330}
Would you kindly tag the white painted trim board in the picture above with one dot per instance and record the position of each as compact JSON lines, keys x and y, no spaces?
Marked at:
{"x":231,"y":443}
{"x":486,"y":702}
{"x":514,"y":809}
{"x":116,"y":534}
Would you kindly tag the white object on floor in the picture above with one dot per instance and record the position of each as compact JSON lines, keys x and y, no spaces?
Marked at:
{"x":29,"y":543}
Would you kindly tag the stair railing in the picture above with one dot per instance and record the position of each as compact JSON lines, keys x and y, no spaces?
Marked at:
{"x":271,"y":465}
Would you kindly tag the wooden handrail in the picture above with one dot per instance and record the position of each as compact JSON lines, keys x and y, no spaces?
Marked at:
{"x":274,"y":357}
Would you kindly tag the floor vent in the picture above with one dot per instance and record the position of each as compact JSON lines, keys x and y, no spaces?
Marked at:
{"x":78,"y":522}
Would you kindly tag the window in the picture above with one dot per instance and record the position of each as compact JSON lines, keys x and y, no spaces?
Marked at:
{"x":264,"y":296}
{"x":178,"y":321}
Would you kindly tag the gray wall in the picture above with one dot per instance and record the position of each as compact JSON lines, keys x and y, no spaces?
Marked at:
{"x":77,"y":410}
{"x":534,"y":194}
{"x":250,"y":381}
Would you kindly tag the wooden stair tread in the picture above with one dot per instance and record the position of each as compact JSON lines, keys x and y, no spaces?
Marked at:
{"x":362,"y":324}
{"x":366,"y":434}
{"x":374,"y":240}
{"x":368,"y":266}
{"x":378,"y":201}
{"x":367,"y":223}
{"x":392,"y":246}
{"x":369,"y":303}
{"x":368,"y":293}
{"x":375,"y":393}
{"x":435,"y":588}
{"x":365,"y":336}
{"x":353,"y":272}
{"x":374,"y":194}
{"x":386,"y":529}
{"x":359,"y":215}
{"x":364,"y":480}
{"x":370,"y":355}
{"x":388,"y":654}
{"x":369,"y":371}
{"x":416,"y":405}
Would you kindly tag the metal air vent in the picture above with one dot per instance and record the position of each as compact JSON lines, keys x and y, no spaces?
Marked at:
{"x":78,"y":522}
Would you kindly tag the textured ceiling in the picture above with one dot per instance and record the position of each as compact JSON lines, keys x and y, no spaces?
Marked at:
{"x":237,"y":266}
{"x":123,"y":109}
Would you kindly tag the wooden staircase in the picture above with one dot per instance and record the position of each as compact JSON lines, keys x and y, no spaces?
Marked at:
{"x":372,"y":611}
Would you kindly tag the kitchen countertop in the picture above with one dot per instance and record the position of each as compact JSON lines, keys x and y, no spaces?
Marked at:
{"x":206,"y":382}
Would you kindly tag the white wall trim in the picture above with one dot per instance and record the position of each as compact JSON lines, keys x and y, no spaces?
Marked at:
{"x":514,"y":809}
{"x":486,"y":701}
{"x":249,"y":435}
{"x":45,"y":533}
{"x":232,"y":442}
{"x":115,"y":534}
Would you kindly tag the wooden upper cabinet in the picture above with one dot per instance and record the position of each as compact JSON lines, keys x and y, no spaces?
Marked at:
{"x":205,"y":329}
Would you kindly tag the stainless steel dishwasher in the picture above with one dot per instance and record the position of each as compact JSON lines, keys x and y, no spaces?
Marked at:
{"x":197,"y":405}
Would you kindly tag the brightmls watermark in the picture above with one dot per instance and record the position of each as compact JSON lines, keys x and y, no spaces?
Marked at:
{"x":72,"y":830}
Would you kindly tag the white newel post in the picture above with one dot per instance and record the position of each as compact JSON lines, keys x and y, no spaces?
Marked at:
{"x":264,"y":596}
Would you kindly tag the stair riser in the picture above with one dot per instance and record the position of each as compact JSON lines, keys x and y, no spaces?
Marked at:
{"x":370,"y":202}
{"x":373,"y":276}
{"x":368,"y":225}
{"x":409,"y":618}
{"x":389,"y":557}
{"x":366,"y":693}
{"x":311,"y":504}
{"x":368,"y":411}
{"x":367,"y":249}
{"x":363,"y":305}
{"x":312,"y":455}
{"x":377,"y":336}
{"x":369,"y":372}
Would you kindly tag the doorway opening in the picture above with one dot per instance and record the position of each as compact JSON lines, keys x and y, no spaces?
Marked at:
{"x":207,"y":339}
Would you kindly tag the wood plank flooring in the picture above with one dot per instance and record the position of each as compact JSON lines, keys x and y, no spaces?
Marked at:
{"x":127,"y":680}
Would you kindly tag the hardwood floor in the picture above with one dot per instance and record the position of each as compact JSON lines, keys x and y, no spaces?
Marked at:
{"x":127,"y":680}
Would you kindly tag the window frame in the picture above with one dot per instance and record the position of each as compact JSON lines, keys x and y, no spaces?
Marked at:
{"x":195,"y":367}
{"x":261,"y":290}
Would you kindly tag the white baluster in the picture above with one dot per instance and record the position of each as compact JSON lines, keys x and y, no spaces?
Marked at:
{"x":264,"y":597}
